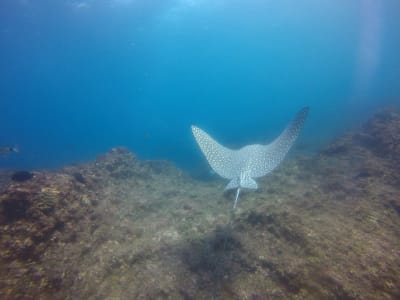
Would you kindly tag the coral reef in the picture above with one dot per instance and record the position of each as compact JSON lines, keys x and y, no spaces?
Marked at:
{"x":320,"y":227}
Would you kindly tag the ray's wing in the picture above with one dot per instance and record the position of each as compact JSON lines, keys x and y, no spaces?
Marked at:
{"x":266,"y":158}
{"x":220,"y":158}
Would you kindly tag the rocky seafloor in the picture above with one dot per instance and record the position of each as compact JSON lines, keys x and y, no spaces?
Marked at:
{"x":320,"y":227}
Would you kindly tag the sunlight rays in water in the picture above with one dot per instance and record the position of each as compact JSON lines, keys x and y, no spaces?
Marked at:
{"x":369,"y":46}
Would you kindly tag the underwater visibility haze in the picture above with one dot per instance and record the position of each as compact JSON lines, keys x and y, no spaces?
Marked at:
{"x":143,"y":149}
{"x":80,"y":77}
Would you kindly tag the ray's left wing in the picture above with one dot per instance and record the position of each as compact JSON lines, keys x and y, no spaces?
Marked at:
{"x":220,"y":158}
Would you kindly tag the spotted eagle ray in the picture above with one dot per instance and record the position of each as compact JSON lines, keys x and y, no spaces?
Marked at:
{"x":252,"y":161}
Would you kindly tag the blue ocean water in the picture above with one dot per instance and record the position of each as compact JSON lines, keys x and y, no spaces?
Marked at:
{"x":80,"y":77}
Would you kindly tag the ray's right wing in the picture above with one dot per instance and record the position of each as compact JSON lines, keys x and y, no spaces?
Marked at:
{"x":268,"y":157}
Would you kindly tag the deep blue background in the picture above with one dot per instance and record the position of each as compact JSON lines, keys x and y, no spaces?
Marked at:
{"x":80,"y":77}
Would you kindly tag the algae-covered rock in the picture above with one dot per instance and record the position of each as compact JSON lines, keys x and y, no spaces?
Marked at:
{"x":320,"y":227}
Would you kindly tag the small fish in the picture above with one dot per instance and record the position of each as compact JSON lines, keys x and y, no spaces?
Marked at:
{"x":5,"y":150}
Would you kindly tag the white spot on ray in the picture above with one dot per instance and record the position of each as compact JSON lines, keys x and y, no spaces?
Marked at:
{"x":252,"y":161}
